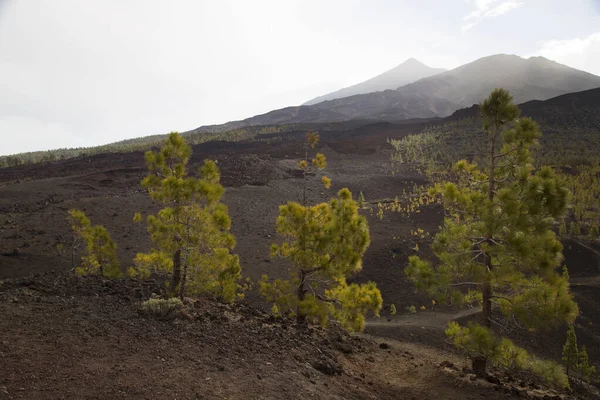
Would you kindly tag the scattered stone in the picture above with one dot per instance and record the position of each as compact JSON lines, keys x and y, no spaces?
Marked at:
{"x":515,"y":391}
{"x":344,"y":348}
{"x":327,"y":366}
{"x":492,"y":379}
{"x":384,"y":345}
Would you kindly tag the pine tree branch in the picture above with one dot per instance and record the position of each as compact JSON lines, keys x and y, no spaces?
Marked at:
{"x":465,"y":284}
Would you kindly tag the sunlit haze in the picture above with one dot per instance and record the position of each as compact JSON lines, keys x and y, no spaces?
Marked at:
{"x":79,"y":73}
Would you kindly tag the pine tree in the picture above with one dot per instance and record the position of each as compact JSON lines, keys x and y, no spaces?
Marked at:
{"x":361,"y":200}
{"x":574,"y":229}
{"x":496,"y":246}
{"x":101,"y":252}
{"x":594,"y":234}
{"x":325,"y":244}
{"x":585,"y":369}
{"x":562,"y":229}
{"x":570,"y":353}
{"x":191,"y":234}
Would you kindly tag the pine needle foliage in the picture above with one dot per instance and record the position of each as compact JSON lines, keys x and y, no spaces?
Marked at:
{"x":476,"y":339}
{"x":585,"y":369}
{"x":191,"y":234}
{"x":570,"y":353}
{"x":163,"y":309}
{"x":100,"y":251}
{"x":324,"y":244}
{"x":497,"y":247}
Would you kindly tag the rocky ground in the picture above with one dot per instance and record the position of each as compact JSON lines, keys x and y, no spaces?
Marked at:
{"x":65,"y":337}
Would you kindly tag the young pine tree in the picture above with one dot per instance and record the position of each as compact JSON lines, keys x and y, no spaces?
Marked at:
{"x":191,"y":234}
{"x":361,"y":200}
{"x":100,"y":251}
{"x":585,"y":369}
{"x":570,"y":354}
{"x":325,"y":244}
{"x":496,"y":246}
{"x":594,"y":234}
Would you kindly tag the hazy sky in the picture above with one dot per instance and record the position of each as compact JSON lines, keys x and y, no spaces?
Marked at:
{"x":79,"y":73}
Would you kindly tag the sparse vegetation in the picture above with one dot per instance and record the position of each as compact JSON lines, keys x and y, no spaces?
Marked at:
{"x":322,"y":245}
{"x":570,"y":353}
{"x":191,"y":234}
{"x":497,"y":247}
{"x":100,"y":251}
{"x":163,"y":309}
{"x":476,"y":340}
{"x":325,"y":244}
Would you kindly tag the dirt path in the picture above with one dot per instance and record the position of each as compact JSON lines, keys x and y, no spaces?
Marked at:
{"x":427,"y":319}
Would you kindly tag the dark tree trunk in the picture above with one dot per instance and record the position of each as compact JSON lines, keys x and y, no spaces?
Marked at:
{"x":183,"y":280}
{"x":479,"y":366}
{"x":479,"y":363}
{"x":300,"y":317}
{"x":176,"y":277}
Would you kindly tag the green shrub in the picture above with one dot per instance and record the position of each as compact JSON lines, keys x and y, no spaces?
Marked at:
{"x":164,"y":309}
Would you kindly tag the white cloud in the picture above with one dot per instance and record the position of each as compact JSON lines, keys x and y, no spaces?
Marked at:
{"x":488,"y":9}
{"x":581,"y":53}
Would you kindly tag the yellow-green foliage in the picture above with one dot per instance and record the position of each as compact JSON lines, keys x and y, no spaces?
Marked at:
{"x":585,"y":369}
{"x":101,"y":252}
{"x":570,"y":353}
{"x":318,"y":163}
{"x":498,"y":246}
{"x":576,"y":360}
{"x":162,"y":308}
{"x":324,"y":244}
{"x":584,"y":212}
{"x":192,"y":232}
{"x":477,"y":340}
{"x":361,"y":200}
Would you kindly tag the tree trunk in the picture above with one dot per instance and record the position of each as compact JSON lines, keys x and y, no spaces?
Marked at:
{"x":300,"y":317}
{"x":183,"y":280}
{"x":479,"y":363}
{"x":176,"y":277}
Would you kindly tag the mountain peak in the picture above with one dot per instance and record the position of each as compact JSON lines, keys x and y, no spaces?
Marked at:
{"x":411,"y":70}
{"x":412,"y":61}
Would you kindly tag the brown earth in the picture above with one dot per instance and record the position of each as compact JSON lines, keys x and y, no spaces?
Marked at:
{"x":65,"y":337}
{"x":259,"y":176}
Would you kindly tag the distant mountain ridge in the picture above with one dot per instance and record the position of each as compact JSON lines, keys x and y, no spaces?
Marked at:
{"x":580,"y":109}
{"x":409,"y":71}
{"x":440,"y":95}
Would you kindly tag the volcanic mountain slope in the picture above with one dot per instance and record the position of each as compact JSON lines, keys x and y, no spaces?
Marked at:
{"x":409,"y":71}
{"x":535,"y":78}
{"x":576,"y":110}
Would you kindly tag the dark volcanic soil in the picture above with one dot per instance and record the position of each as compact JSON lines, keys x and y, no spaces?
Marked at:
{"x":65,"y":337}
{"x":259,"y":176}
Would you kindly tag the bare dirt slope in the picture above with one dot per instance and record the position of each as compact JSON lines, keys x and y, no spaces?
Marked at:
{"x":64,"y":337}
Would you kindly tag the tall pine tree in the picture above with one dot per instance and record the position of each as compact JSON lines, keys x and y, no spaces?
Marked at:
{"x":570,"y":353}
{"x":191,"y":234}
{"x":325,"y":244}
{"x":497,"y":247}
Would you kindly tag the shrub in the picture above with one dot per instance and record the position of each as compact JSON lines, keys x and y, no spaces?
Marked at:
{"x":101,"y":252}
{"x":163,"y":309}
